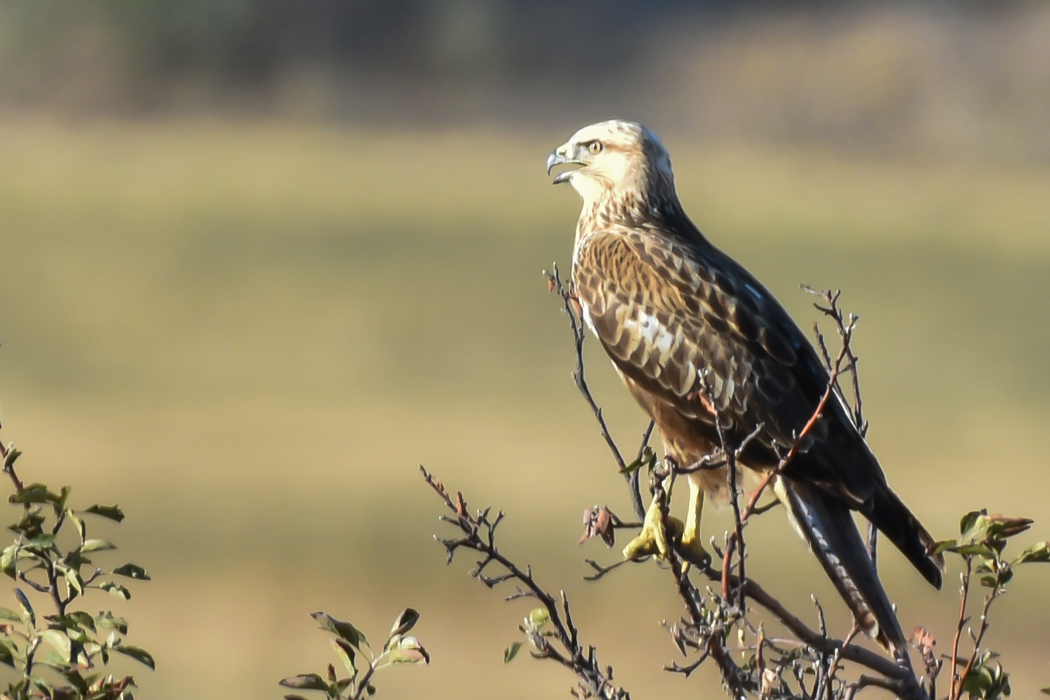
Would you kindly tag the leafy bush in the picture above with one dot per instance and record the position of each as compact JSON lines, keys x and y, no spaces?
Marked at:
{"x":63,"y":652}
{"x":350,"y":644}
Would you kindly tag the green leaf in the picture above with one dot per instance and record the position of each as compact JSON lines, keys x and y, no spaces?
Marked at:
{"x":40,"y":542}
{"x":510,"y":652}
{"x":30,"y":522}
{"x":140,"y":655}
{"x":110,"y":512}
{"x":8,"y":614}
{"x":27,"y":607}
{"x":345,"y":630}
{"x":294,"y":697}
{"x":309,"y":681}
{"x":7,"y":656}
{"x":73,"y":560}
{"x":12,"y":455}
{"x":1005,"y":684}
{"x":116,"y":590}
{"x":77,"y":619}
{"x":404,"y":622}
{"x":35,"y":493}
{"x":109,"y":621}
{"x":1045,"y":691}
{"x":969,"y":520}
{"x":974,"y":683}
{"x":979,"y":550}
{"x":132,"y":571}
{"x":60,"y":642}
{"x":8,"y":559}
{"x":96,"y":546}
{"x":346,"y":654}
{"x":409,"y":651}
{"x":44,"y":686}
{"x":648,"y":459}
{"x":538,"y":617}
{"x":76,"y":680}
{"x":632,"y":467}
{"x":79,"y":636}
{"x":1038,"y":552}
{"x":81,"y":529}
{"x":74,"y":581}
{"x":943,"y":546}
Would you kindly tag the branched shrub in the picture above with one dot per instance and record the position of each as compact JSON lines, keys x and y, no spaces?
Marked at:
{"x":352,"y":648}
{"x":723,"y":622}
{"x":57,"y":649}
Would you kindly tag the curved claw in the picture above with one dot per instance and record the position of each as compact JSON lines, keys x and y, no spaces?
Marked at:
{"x":693,"y":552}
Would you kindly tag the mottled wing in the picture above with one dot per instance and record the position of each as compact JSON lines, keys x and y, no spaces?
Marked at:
{"x":672,"y":318}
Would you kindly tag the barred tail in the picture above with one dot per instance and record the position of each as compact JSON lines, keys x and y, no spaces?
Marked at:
{"x":827,"y":525}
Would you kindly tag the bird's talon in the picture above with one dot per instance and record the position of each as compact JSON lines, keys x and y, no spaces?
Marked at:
{"x":656,"y":538}
{"x":694,"y":553}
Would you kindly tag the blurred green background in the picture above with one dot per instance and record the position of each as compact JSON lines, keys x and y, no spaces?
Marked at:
{"x":261,"y":259}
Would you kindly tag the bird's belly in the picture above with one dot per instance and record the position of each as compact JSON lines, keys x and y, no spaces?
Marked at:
{"x":683,"y":441}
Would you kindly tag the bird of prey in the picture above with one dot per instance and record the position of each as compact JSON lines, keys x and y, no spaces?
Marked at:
{"x":692,"y":333}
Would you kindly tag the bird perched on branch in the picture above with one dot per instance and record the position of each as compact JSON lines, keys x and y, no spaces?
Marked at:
{"x":696,"y":337}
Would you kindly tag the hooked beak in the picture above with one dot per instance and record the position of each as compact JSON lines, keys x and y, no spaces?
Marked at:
{"x":558,"y":157}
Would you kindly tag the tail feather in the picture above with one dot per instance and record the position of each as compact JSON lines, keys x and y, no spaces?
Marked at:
{"x":889,"y":514}
{"x":827,"y":525}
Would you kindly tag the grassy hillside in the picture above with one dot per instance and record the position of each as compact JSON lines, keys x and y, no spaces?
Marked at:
{"x":249,"y":334}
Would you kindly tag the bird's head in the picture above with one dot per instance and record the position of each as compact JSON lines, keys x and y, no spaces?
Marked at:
{"x":617,"y":161}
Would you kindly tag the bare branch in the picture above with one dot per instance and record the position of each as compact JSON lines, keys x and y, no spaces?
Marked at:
{"x":579,"y":334}
{"x":479,"y":536}
{"x":955,"y":682}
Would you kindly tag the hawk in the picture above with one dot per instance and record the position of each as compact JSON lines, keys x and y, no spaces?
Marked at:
{"x":691,"y":332}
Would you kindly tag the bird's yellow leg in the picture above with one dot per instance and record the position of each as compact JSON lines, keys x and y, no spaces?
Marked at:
{"x":659,"y":534}
{"x":690,"y":547}
{"x":653,"y":539}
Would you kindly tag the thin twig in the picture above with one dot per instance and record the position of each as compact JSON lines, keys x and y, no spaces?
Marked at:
{"x":836,"y":658}
{"x":579,"y":334}
{"x":634,"y":478}
{"x":9,"y":469}
{"x":992,"y":595}
{"x":955,"y":683}
{"x":480,"y":536}
{"x":845,"y":331}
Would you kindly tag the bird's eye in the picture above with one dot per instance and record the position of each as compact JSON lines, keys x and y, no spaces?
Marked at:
{"x":595,"y":147}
